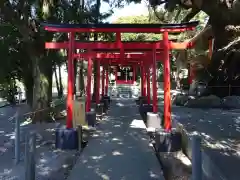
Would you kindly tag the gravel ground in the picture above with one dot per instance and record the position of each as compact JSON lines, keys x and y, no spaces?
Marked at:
{"x":50,"y":163}
{"x":220,"y":130}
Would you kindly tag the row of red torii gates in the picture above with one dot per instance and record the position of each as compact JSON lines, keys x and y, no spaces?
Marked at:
{"x":144,"y":55}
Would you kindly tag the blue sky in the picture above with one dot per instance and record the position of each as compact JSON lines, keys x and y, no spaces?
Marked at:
{"x":128,"y":10}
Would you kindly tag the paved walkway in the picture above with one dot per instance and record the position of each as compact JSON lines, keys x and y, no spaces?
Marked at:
{"x":119,"y":150}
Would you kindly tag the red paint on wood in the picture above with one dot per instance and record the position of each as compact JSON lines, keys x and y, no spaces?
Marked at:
{"x":103,"y":80}
{"x":148,"y":85}
{"x":140,"y":46}
{"x":89,"y":85}
{"x":70,"y":82}
{"x":107,"y":81}
{"x":167,"y":95}
{"x":98,"y":83}
{"x":117,"y":56}
{"x":154,"y":81}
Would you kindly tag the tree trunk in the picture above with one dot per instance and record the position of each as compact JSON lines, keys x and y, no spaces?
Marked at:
{"x":28,"y":79}
{"x":56,"y":79}
{"x":11,"y":91}
{"x":224,"y":19}
{"x":42,"y":89}
{"x":181,"y":63}
{"x":60,"y":81}
{"x":81,"y":79}
{"x":224,"y":65}
{"x":28,"y":82}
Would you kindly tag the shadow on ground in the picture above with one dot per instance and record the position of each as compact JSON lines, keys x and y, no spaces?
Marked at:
{"x":220,"y":131}
{"x":119,"y":149}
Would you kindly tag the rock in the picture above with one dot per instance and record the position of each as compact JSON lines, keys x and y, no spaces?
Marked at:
{"x":181,"y":99}
{"x":199,"y":89}
{"x":174,"y":167}
{"x":192,"y":88}
{"x":205,"y":102}
{"x":231,"y":102}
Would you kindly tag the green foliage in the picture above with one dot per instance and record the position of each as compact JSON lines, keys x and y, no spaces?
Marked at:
{"x":138,"y":36}
{"x":178,"y":14}
{"x":22,"y":39}
{"x":8,"y":90}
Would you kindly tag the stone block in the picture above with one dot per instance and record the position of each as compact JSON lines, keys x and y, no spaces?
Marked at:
{"x":153,"y":121}
{"x":144,"y":109}
{"x":91,"y":118}
{"x":66,"y":139}
{"x":168,"y":141}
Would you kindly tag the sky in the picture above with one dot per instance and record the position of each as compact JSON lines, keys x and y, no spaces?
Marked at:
{"x":128,"y":10}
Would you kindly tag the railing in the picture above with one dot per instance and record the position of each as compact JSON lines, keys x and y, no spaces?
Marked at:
{"x":30,"y":153}
{"x":53,"y":111}
{"x":229,"y":87}
{"x":30,"y":141}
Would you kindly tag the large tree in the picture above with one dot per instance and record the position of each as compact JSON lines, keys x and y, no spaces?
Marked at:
{"x":18,"y":14}
{"x":142,"y":19}
{"x":224,"y":18}
{"x":21,"y":22}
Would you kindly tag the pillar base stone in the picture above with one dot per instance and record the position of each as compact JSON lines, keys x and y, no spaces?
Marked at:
{"x":91,"y":118}
{"x":99,"y":108}
{"x":153,"y":121}
{"x":144,"y":109}
{"x":141,"y":100}
{"x":168,"y":141}
{"x":66,"y":139}
{"x":108,"y":98}
{"x":105,"y":102}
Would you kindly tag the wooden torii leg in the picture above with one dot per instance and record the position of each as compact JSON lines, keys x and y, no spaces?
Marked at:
{"x":154,"y":82}
{"x":98,"y":82}
{"x":103,"y":80}
{"x":167,"y":95}
{"x":148,"y":86}
{"x":142,"y":80}
{"x":89,"y":85}
{"x":107,"y":82}
{"x":70,"y":82}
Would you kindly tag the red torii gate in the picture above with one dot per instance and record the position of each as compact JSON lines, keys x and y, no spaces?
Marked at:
{"x":114,"y":59}
{"x":153,"y":48}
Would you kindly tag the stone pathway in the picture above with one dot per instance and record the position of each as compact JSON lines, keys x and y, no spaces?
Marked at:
{"x":119,"y":149}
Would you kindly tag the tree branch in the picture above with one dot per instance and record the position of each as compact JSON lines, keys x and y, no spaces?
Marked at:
{"x":161,"y":19}
{"x":177,"y":15}
{"x":191,"y":14}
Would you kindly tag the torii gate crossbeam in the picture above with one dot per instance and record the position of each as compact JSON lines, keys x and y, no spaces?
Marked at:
{"x":164,"y":46}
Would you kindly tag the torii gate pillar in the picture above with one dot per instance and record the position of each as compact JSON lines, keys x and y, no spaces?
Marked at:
{"x":167,"y":95}
{"x":107,"y":81}
{"x":70,"y":81}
